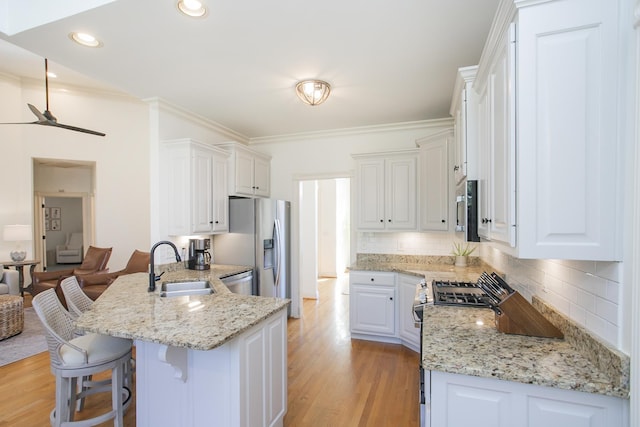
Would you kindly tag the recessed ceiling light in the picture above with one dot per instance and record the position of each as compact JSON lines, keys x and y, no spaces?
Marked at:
{"x":51,"y":74}
{"x":85,"y":39}
{"x":193,"y":8}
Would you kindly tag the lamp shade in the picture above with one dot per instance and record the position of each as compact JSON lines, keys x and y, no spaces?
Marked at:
{"x":313,"y":92}
{"x":16,"y":233}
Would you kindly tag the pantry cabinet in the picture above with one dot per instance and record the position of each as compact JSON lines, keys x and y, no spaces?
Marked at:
{"x":249,"y":171}
{"x":434,"y":181}
{"x":387,"y":191}
{"x":196,"y":197}
{"x":489,"y":402}
{"x":548,"y":133}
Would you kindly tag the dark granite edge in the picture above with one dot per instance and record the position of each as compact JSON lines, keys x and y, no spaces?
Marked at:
{"x":615,"y":364}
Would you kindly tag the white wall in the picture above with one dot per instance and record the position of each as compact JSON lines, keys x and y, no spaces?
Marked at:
{"x":308,"y":240}
{"x":327,"y":228}
{"x":122,"y":160}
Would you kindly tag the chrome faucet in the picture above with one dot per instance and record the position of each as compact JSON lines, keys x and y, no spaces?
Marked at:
{"x":152,"y":276}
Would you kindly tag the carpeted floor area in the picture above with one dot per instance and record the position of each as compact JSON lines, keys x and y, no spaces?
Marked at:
{"x":29,"y":342}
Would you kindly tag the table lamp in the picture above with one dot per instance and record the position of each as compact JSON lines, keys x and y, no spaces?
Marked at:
{"x":18,"y":234}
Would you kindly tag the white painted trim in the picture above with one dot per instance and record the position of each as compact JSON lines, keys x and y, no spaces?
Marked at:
{"x":165,"y":106}
{"x":634,"y":403}
{"x":391,"y":127}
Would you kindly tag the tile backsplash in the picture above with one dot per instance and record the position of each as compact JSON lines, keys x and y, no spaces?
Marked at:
{"x":588,"y":292}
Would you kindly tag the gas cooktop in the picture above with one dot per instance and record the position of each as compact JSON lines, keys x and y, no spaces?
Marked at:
{"x":458,"y":293}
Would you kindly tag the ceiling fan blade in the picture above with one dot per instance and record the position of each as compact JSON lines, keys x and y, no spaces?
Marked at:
{"x":74,"y":128}
{"x":20,"y":123}
{"x":37,"y":112}
{"x":48,"y":119}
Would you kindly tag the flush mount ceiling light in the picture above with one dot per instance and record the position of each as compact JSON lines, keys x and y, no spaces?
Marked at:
{"x":313,"y":92}
{"x":192,"y":8}
{"x":85,"y":39}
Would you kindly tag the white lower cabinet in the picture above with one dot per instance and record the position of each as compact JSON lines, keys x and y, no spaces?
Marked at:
{"x":409,"y":331}
{"x":463,"y":400}
{"x":242,"y":383}
{"x":381,"y":307}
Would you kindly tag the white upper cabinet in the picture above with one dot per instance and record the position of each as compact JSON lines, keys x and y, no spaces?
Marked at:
{"x":387,"y":191}
{"x":434,"y":181}
{"x":548,"y":138}
{"x":249,"y":171}
{"x":197,"y":200}
{"x":463,"y":111}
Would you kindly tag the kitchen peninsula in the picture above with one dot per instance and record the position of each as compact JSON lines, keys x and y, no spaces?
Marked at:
{"x":215,"y":359}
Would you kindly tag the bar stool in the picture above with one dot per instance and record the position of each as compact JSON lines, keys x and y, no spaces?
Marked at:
{"x":74,"y":357}
{"x":77,"y":301}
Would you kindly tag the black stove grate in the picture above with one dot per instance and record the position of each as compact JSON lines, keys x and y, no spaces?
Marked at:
{"x":458,"y":293}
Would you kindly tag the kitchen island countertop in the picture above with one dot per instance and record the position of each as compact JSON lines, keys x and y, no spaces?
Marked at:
{"x":198,"y":322}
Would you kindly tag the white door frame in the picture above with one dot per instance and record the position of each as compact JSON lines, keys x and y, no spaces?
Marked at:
{"x":88,"y":225}
{"x":296,"y":299}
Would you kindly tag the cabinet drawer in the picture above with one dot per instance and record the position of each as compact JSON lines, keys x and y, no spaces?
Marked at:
{"x":373,"y":278}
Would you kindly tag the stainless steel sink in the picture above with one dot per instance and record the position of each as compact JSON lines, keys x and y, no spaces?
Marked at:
{"x":180,"y":289}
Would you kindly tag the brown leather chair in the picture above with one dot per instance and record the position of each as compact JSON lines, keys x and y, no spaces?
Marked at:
{"x":95,"y":284}
{"x":95,"y":261}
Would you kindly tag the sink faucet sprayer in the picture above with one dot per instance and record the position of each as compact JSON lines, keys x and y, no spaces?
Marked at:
{"x":152,"y":276}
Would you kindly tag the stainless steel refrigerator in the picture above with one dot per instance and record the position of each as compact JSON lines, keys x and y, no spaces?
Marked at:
{"x":259,"y":231}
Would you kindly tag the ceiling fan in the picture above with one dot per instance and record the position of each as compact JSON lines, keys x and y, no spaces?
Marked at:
{"x":48,"y":119}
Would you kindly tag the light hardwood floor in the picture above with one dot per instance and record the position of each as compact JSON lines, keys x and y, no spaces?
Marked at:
{"x":333,"y":380}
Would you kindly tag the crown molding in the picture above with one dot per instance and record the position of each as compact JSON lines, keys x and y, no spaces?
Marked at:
{"x":465,"y":75}
{"x":167,"y":107}
{"x":392,"y":127}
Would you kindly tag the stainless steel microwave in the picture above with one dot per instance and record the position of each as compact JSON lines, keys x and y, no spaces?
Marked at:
{"x":467,"y":210}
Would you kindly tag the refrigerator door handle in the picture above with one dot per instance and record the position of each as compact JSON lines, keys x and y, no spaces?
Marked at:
{"x":278,"y":248}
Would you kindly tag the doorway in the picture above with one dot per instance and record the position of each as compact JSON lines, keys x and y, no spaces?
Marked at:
{"x":63,"y":206}
{"x":324,"y":232}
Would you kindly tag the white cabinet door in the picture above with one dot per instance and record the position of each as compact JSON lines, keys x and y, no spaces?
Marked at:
{"x":243,"y":176}
{"x":459,"y":403}
{"x":502,"y":144}
{"x":263,"y":373}
{"x":196,"y":194}
{"x":249,"y":171}
{"x":409,"y":331}
{"x":484,"y":165}
{"x":434,"y":172}
{"x":387,"y":191}
{"x":568,"y":118}
{"x":202,"y":191}
{"x":564,"y":68}
{"x":372,"y":309}
{"x":496,"y":141}
{"x":400,"y":194}
{"x":371,"y":188}
{"x":463,"y":400}
{"x":220,"y":194}
{"x":262,"y":177}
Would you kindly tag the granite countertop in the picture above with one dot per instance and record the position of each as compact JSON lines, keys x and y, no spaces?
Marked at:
{"x":464,"y":340}
{"x":199,"y":322}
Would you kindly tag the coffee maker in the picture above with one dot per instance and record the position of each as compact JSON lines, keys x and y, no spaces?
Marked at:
{"x":199,"y":256}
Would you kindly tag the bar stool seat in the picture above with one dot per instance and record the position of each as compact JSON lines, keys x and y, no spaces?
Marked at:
{"x":77,"y":357}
